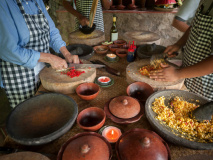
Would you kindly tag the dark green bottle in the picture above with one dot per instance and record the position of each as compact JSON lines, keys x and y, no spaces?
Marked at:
{"x":114,"y":30}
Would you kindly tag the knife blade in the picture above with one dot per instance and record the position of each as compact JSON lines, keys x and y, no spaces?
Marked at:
{"x":83,"y":66}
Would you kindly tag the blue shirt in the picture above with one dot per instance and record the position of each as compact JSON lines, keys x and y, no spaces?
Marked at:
{"x":14,"y":33}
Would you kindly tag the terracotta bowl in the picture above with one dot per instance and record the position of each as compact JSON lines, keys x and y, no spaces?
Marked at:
{"x":140,"y":90}
{"x":120,"y":42}
{"x":121,"y":52}
{"x":125,"y":46}
{"x":92,"y":118}
{"x":87,"y":91}
{"x":114,"y":47}
{"x":101,"y":49}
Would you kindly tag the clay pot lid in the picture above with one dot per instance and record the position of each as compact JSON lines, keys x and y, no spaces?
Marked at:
{"x":86,"y":145}
{"x":124,"y":107}
{"x":141,"y":144}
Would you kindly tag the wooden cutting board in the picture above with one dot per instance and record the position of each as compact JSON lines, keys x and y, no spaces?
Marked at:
{"x":95,"y":38}
{"x":133,"y":75}
{"x":60,"y":83}
{"x":24,"y":156}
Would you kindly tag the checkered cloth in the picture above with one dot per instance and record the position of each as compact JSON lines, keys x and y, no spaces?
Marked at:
{"x":84,"y":7}
{"x":198,"y":47}
{"x":19,"y":81}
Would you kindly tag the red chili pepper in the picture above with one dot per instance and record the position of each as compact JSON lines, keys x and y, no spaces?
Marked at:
{"x":73,"y":73}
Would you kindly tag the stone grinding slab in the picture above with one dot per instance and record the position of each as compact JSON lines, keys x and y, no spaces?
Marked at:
{"x":24,"y":156}
{"x":61,"y":83}
{"x":133,"y":75}
{"x":142,"y":37}
{"x":95,"y":38}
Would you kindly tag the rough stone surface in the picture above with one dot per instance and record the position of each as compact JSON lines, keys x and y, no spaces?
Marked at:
{"x":157,"y":22}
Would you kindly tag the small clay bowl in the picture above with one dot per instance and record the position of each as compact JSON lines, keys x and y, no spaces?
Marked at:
{"x":125,"y":46}
{"x":87,"y":29}
{"x":101,"y":49}
{"x":87,"y":91}
{"x":114,"y":47}
{"x":111,"y":57}
{"x":91,"y":119}
{"x":104,"y":80}
{"x":140,"y":90}
{"x":121,"y":52}
{"x":119,"y":42}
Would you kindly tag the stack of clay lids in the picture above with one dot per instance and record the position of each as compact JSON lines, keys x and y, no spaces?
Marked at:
{"x":124,"y":107}
{"x":142,"y":144}
{"x":86,"y":145}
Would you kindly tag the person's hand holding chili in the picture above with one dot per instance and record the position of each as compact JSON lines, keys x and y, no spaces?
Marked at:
{"x":167,"y":73}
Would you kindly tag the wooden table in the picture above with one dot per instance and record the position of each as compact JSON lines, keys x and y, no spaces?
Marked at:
{"x":118,"y":89}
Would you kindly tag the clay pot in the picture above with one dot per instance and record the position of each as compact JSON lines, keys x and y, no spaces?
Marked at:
{"x":141,"y":144}
{"x":140,"y":90}
{"x":143,"y":3}
{"x":132,"y":6}
{"x":87,"y":91}
{"x":125,"y":46}
{"x":114,"y":47}
{"x":121,"y":52}
{"x":107,"y":4}
{"x":91,"y":118}
{"x":120,"y":6}
{"x":101,"y":49}
{"x":120,"y":42}
{"x":124,"y":107}
{"x":86,"y":145}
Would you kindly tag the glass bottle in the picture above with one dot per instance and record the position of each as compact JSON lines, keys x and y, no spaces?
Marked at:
{"x":114,"y":31}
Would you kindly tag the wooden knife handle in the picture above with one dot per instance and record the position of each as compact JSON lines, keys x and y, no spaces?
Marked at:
{"x":108,"y":69}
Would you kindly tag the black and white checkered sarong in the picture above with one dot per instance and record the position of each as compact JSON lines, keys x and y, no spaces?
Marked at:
{"x":19,"y":82}
{"x":84,"y":7}
{"x":198,"y":47}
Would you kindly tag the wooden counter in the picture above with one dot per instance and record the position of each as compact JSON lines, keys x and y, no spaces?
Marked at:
{"x":119,"y":88}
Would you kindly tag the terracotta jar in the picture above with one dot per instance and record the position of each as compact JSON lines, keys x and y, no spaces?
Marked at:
{"x":86,"y":145}
{"x":107,"y":4}
{"x":141,"y":144}
{"x":124,"y":107}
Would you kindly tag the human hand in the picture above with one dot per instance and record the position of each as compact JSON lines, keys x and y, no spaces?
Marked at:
{"x":171,"y":49}
{"x":83,"y":21}
{"x":167,"y":73}
{"x":72,"y":58}
{"x":57,"y":63}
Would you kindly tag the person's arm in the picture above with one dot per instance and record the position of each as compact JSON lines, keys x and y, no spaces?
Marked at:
{"x":82,"y":19}
{"x":179,"y":44}
{"x":185,"y":15}
{"x":170,"y":73}
{"x":11,"y":50}
{"x":180,"y":25}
